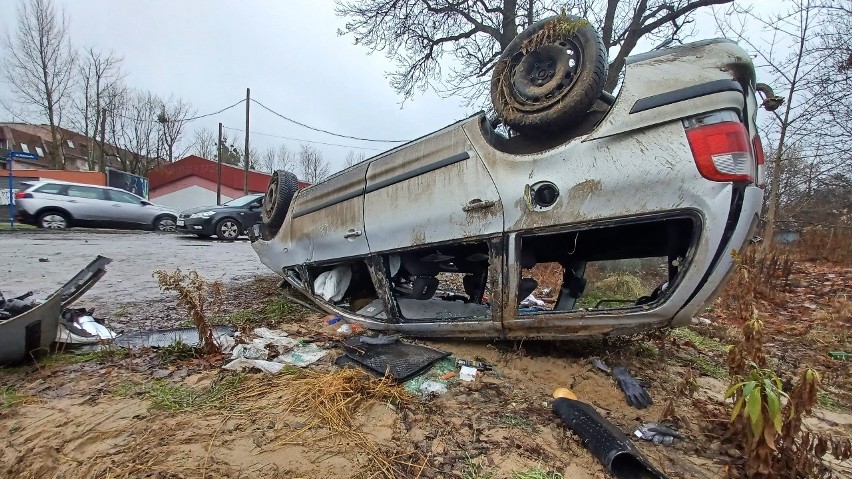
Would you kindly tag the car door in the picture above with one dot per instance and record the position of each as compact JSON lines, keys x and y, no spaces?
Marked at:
{"x":87,"y":203}
{"x":127,"y":208}
{"x":251,"y":216}
{"x":439,"y":192}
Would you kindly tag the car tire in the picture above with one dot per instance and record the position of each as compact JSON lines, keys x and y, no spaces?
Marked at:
{"x":53,"y":220}
{"x":165,"y":224}
{"x":549,"y":76}
{"x":228,"y":229}
{"x":279,"y":194}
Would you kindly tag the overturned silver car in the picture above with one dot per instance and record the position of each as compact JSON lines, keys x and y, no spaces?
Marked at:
{"x":574,"y":213}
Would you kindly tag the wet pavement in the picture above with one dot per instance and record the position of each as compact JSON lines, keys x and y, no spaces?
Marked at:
{"x":135,"y":255}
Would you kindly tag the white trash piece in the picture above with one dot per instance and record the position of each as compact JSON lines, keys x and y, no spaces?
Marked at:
{"x":302,"y":356}
{"x":467,"y":373}
{"x":332,"y":285}
{"x":241,"y":364}
{"x":249,"y":351}
{"x":88,"y":324}
{"x":433,"y":387}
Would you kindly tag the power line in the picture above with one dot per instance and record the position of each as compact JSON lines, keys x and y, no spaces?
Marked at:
{"x":304,"y":141}
{"x":321,"y":130}
{"x":188,"y":119}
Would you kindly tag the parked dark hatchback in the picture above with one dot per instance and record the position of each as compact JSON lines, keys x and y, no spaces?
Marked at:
{"x":227,"y":222}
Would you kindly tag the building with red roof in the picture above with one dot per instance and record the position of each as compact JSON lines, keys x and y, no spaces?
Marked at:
{"x":191,"y":182}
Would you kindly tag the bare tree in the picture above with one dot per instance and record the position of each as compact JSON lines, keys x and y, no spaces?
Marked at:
{"x":40,"y":65}
{"x":99,"y":74}
{"x":273,"y":159}
{"x":313,"y":167}
{"x":134,"y":128}
{"x":172,"y":117}
{"x":353,"y":158}
{"x":785,"y":50}
{"x":417,"y":34}
{"x":204,"y":143}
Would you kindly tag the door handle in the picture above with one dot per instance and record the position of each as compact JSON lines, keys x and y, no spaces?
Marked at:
{"x":353,"y":233}
{"x":477,"y":204}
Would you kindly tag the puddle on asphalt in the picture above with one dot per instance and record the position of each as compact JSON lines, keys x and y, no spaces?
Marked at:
{"x":166,"y":337}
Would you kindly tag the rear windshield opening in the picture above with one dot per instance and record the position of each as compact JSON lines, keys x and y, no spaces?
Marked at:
{"x":604,"y":268}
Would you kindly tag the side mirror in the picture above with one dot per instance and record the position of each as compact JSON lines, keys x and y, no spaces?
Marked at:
{"x":253,"y":206}
{"x":145,"y":203}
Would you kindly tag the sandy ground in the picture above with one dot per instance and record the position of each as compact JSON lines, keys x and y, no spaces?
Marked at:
{"x":135,"y":255}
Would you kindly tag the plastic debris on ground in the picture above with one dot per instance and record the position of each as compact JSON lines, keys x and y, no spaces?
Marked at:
{"x":78,"y":326}
{"x":533,"y":301}
{"x":243,"y":364}
{"x":302,"y":356}
{"x":468,"y":373}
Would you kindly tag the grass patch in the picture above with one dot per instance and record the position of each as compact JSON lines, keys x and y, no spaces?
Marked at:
{"x":475,"y":469}
{"x":826,"y":400}
{"x":10,"y":397}
{"x":536,"y":473}
{"x":519,"y":422}
{"x":104,"y":355}
{"x":239,"y":318}
{"x":121,"y":312}
{"x":126,"y":389}
{"x":178,"y":351}
{"x":701,"y":342}
{"x":275,"y":311}
{"x":709,"y":367}
{"x":646,"y":349}
{"x":166,"y":396}
{"x":4,"y":226}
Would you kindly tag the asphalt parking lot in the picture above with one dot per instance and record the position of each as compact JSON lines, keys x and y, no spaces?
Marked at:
{"x":135,"y":256}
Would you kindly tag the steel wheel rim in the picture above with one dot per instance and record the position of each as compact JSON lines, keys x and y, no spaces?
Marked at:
{"x":167,"y":225}
{"x":542,"y":77}
{"x":229,"y":229}
{"x":54,"y":222}
{"x":271,"y":196}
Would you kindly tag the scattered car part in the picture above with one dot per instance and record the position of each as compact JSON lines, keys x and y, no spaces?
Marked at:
{"x":771,"y":102}
{"x":30,"y":332}
{"x":635,"y":394}
{"x":657,"y":433}
{"x":605,"y":441}
{"x":549,"y":76}
{"x":398,"y":360}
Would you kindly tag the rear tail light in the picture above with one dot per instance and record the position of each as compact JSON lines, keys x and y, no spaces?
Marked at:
{"x":22,"y":194}
{"x":721,"y":147}
{"x":760,"y":161}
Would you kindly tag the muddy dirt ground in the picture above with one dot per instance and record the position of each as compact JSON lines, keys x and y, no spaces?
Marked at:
{"x":167,"y":414}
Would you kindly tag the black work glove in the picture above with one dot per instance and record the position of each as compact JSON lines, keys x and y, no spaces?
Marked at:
{"x":635,"y":393}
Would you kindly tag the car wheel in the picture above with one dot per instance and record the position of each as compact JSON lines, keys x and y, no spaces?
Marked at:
{"x":53,"y":220}
{"x":282,"y":187}
{"x":549,"y":75}
{"x":228,"y":229}
{"x":166,"y":224}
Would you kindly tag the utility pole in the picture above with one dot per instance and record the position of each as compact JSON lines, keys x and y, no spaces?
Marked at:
{"x":245,"y":179}
{"x":103,"y":139}
{"x":219,"y":167}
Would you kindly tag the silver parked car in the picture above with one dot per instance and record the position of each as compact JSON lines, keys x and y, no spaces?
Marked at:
{"x":572,"y":213}
{"x":59,"y":205}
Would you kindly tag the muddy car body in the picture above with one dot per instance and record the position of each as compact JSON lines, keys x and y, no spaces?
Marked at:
{"x":449,"y":234}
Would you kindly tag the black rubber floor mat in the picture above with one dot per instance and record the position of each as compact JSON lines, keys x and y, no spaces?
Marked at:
{"x":399,"y":360}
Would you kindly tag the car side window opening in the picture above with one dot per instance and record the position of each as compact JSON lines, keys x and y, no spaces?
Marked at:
{"x":604,"y":268}
{"x":124,"y":197}
{"x":85,"y":192}
{"x":441,"y":283}
{"x":50,"y":188}
{"x":347,"y":285}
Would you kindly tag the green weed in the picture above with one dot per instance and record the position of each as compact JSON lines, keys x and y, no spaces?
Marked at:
{"x":475,"y":469}
{"x":702,"y":342}
{"x":9,"y":398}
{"x":536,"y":473}
{"x":518,"y":422}
{"x":709,"y":367}
{"x":178,"y":397}
{"x":178,"y":351}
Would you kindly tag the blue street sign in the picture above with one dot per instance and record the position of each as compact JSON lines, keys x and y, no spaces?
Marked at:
{"x":21,"y":154}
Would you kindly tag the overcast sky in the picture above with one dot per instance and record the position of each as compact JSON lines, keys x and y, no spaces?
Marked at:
{"x":287,"y":52}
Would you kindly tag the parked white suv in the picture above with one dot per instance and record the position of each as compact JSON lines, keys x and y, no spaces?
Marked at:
{"x":60,"y":205}
{"x":594,"y":214}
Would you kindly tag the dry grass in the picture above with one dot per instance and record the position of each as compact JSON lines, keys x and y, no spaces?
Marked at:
{"x":329,"y":403}
{"x":823,"y":244}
